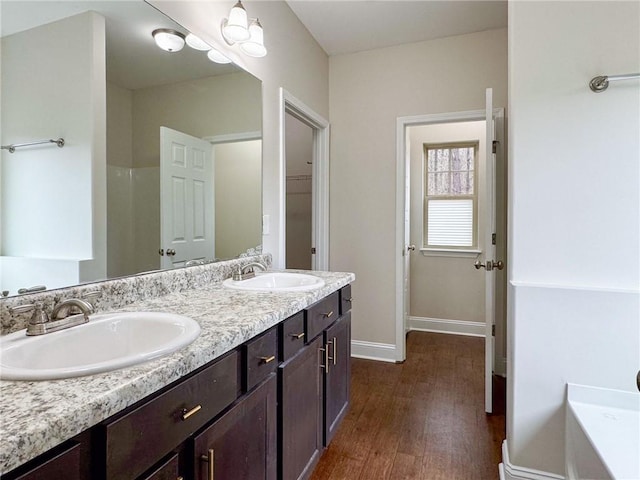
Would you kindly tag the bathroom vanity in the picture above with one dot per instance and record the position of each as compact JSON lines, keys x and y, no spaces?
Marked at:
{"x":258,"y":395}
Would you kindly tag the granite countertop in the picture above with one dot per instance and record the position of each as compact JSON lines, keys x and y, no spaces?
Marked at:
{"x":36,"y":416}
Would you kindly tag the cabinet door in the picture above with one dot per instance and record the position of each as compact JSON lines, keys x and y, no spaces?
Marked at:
{"x":168,"y":469}
{"x":241,"y":445}
{"x":300,"y":409}
{"x":337,"y":377}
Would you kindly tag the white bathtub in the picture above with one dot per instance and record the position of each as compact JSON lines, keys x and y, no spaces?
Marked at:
{"x":602,"y":439}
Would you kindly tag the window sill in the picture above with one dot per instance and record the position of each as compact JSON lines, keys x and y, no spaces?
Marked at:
{"x":450,"y":252}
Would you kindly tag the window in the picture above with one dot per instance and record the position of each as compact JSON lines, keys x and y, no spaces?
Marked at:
{"x":451,"y":199}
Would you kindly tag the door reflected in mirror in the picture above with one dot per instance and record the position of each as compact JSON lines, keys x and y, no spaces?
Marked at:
{"x":90,"y":72}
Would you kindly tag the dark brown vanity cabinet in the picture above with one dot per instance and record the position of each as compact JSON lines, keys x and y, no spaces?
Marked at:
{"x":337,"y":374}
{"x":263,"y":411}
{"x":313,"y":383}
{"x":241,"y":444}
{"x":300,"y":410}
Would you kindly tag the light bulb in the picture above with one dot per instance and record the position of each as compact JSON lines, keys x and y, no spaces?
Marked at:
{"x":197,"y":43}
{"x":217,"y":57}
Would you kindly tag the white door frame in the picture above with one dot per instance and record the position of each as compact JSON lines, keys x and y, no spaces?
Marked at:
{"x":320,"y":184}
{"x":402,"y":167}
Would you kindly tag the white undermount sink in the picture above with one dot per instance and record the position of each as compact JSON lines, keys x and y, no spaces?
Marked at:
{"x":107,"y":342}
{"x":277,"y":282}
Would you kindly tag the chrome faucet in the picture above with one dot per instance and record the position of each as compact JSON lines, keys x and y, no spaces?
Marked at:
{"x":72,"y":305}
{"x":244,"y":273}
{"x":66,"y":314}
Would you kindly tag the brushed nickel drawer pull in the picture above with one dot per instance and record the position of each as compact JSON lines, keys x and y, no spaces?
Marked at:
{"x":328,"y":314}
{"x":210,"y":459}
{"x":329,"y":357}
{"x":187,"y":413}
{"x":267,"y":359}
{"x":348,"y":299}
{"x":335,"y":350}
{"x":326,"y":358}
{"x":297,"y":335}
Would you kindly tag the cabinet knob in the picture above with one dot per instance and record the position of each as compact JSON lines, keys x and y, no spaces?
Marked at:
{"x":327,"y":315}
{"x":267,"y":359}
{"x":297,"y":335}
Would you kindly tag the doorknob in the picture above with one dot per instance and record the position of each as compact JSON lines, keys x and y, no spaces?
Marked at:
{"x":161,"y":252}
{"x":411,"y":248}
{"x":490,"y":265}
{"x":171,"y":252}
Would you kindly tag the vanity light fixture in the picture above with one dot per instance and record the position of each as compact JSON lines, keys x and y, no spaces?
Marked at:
{"x":254,"y":47}
{"x":168,"y":39}
{"x":247,"y":33}
{"x":236,"y":27}
{"x":197,"y":43}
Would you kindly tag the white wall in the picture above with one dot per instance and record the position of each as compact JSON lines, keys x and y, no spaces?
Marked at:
{"x":369,"y":90}
{"x":574,"y":229}
{"x":445,"y":287}
{"x":294,"y":61}
{"x":42,"y":72}
{"x":238,"y":198}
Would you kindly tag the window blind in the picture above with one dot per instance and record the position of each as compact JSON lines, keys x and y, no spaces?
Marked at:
{"x":450,"y":222}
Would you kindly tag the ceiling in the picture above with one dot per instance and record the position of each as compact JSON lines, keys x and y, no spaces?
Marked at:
{"x":347,"y":26}
{"x":133,"y":60}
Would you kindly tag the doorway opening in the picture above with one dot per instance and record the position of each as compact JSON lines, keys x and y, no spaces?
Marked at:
{"x":454,"y":297}
{"x":297,"y":118}
{"x":298,"y":193}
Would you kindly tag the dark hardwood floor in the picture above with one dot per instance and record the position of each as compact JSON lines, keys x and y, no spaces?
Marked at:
{"x":423,"y":419}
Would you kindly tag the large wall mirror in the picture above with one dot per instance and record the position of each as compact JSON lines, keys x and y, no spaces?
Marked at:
{"x":162,"y":160}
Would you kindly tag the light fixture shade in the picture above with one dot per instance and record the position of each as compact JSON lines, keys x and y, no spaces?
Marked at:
{"x":168,"y":40}
{"x":235,"y":28}
{"x":197,"y":43}
{"x":254,"y":47}
{"x":217,"y":57}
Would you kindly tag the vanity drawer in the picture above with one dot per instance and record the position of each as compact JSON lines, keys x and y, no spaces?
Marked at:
{"x":154,"y":428}
{"x":345,"y":299}
{"x":261,"y":358}
{"x":320,"y":315}
{"x":60,"y":462}
{"x":291,"y":336}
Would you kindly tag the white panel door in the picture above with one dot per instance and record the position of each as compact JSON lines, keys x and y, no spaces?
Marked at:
{"x":494,"y":142}
{"x":186,"y":198}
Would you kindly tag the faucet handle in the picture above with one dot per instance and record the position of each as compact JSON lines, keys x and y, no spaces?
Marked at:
{"x":39,"y":315}
{"x":90,"y":297}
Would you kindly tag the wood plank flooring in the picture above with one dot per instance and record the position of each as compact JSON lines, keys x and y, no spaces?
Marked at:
{"x":423,"y":419}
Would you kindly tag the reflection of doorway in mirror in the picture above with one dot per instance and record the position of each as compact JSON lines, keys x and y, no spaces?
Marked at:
{"x":238,"y":194}
{"x":299,"y":198}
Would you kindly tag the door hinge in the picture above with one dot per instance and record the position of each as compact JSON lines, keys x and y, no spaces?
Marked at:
{"x":493,"y":239}
{"x":493,"y":330}
{"x":494,"y":146}
{"x":313,"y":250}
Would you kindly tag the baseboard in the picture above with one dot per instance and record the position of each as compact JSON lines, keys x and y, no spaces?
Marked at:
{"x":508,"y":471}
{"x":383,"y":352}
{"x":441,"y":325}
